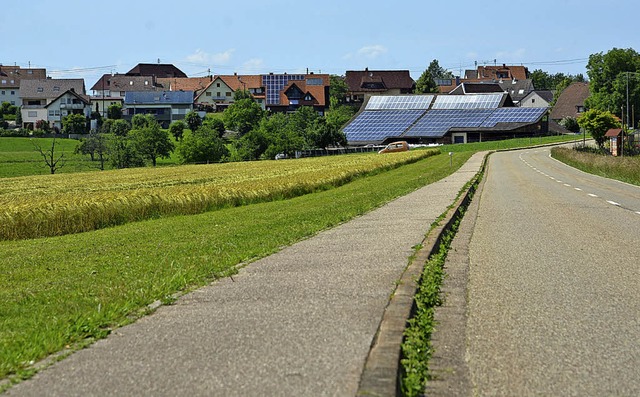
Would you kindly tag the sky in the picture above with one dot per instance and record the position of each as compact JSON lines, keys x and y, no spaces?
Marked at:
{"x":85,"y":39}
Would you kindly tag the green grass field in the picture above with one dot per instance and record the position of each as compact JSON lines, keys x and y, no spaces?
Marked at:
{"x":626,"y":169}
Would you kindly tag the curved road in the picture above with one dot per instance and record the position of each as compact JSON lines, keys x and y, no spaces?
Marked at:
{"x":554,"y":282}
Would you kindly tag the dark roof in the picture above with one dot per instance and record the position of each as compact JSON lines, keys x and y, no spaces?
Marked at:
{"x":358,"y":80}
{"x":518,"y":89}
{"x":156,"y":69}
{"x":569,"y":100}
{"x":547,"y":95}
{"x":122,"y":82}
{"x":156,"y":97}
{"x":476,"y":88}
{"x":50,"y":88}
{"x":14,"y":74}
{"x":83,"y":98}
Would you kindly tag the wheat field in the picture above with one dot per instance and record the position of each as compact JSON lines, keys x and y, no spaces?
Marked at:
{"x":53,"y":205}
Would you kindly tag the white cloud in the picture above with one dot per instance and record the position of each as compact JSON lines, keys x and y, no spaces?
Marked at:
{"x":372,"y":51}
{"x":252,"y":66}
{"x":221,"y":58}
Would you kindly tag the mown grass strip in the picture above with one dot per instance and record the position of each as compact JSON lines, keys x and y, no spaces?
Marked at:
{"x":626,"y":169}
{"x":56,"y":205}
{"x":59,"y":291}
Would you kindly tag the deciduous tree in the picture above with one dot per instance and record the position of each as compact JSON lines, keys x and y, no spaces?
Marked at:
{"x":597,"y":122}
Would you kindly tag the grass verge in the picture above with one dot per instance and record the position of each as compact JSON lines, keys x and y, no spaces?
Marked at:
{"x":417,"y":349}
{"x":626,"y":169}
{"x":59,"y":292}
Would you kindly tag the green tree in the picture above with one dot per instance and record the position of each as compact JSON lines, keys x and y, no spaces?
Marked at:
{"x":120,"y":127}
{"x":193,"y":120}
{"x":74,"y":124}
{"x":242,"y":94}
{"x":597,"y":122}
{"x":215,"y":124}
{"x":18,"y":117}
{"x":139,"y":121}
{"x":570,"y":123}
{"x":203,"y":145}
{"x":337,"y":88}
{"x":243,"y":115}
{"x":426,"y":82}
{"x":152,"y":142}
{"x":95,"y":145}
{"x":609,"y":75}
{"x":114,"y":112}
{"x":177,"y":129}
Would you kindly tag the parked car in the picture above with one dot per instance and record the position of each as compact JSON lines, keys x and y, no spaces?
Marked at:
{"x":393,"y":147}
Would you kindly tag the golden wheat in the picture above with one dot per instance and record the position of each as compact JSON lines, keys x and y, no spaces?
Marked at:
{"x":52,"y":205}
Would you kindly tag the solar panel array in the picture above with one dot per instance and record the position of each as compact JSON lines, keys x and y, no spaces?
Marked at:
{"x":478,"y":101}
{"x":379,"y":124}
{"x":274,"y":83}
{"x":514,"y":115}
{"x":399,"y":102}
{"x":403,"y":115}
{"x":436,"y":123}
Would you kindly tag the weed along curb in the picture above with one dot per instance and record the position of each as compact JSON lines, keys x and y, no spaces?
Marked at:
{"x":381,"y":375}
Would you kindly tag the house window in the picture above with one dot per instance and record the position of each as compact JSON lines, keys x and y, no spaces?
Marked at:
{"x":219,"y":94}
{"x":533,"y":100}
{"x":580,"y":109}
{"x":228,"y":93}
{"x":217,"y":84}
{"x":307,"y":97}
{"x":40,"y":89}
{"x":50,"y":113}
{"x":4,"y":81}
{"x":3,"y":93}
{"x":29,"y":71}
{"x":56,"y":88}
{"x":13,"y":92}
{"x":208,"y":93}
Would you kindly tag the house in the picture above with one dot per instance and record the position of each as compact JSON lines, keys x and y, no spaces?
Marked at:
{"x":111,"y":88}
{"x":518,"y":89}
{"x":166,"y":106}
{"x":570,"y":102}
{"x":273,"y":92}
{"x":364,"y":83}
{"x":37,"y":94}
{"x":219,"y":93}
{"x":69,"y":102}
{"x":158,"y":70}
{"x":10,"y":77}
{"x":286,"y":93}
{"x":492,"y":74}
{"x":537,"y":99}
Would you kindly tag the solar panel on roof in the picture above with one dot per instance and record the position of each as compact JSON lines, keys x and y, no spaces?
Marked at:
{"x":436,"y":123}
{"x":399,"y":102}
{"x":514,"y":115}
{"x":274,"y":83}
{"x":380,"y":124}
{"x":470,"y":101}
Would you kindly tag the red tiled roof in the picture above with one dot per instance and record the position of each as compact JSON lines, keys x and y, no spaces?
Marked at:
{"x":317,"y":92}
{"x":614,"y":132}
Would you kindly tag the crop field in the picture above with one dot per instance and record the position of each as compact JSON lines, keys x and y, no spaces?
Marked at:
{"x":54,"y":205}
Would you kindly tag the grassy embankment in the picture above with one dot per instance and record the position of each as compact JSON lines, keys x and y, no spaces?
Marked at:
{"x":626,"y":169}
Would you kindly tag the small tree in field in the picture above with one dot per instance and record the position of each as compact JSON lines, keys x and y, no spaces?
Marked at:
{"x":51,"y":159}
{"x":152,"y":142}
{"x":193,"y":120}
{"x":177,"y":129}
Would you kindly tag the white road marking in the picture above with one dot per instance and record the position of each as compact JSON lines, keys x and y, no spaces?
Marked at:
{"x":592,"y":195}
{"x":578,"y":189}
{"x":613,"y":203}
{"x":567,"y":185}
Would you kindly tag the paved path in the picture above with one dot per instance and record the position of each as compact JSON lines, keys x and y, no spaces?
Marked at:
{"x":297,"y":323}
{"x":553,"y":285}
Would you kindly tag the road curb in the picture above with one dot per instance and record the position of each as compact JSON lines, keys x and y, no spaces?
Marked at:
{"x":381,"y":373}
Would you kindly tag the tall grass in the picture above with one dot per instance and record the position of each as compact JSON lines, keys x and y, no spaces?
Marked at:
{"x":626,"y":169}
{"x":54,"y":205}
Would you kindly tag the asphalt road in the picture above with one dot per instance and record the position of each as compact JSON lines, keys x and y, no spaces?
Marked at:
{"x":553,"y":288}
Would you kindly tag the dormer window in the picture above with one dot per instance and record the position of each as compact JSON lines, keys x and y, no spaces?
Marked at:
{"x":40,"y":89}
{"x":56,"y":88}
{"x":307,"y":97}
{"x":131,"y":82}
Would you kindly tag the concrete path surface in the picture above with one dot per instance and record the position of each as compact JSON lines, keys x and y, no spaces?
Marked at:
{"x":297,"y":323}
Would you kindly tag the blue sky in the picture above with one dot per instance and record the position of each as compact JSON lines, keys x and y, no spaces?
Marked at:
{"x":79,"y":38}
